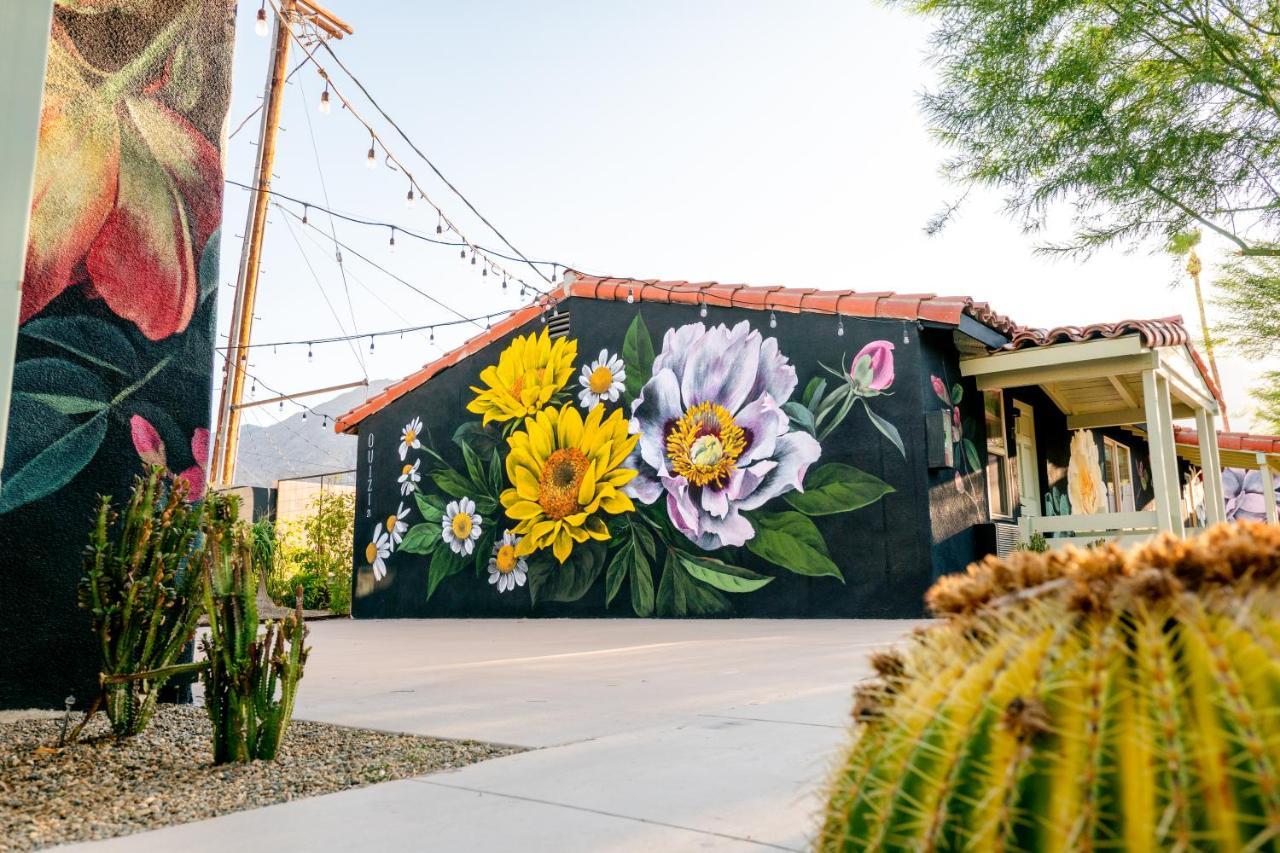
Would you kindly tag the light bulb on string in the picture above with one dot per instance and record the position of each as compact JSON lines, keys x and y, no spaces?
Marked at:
{"x":439,"y":224}
{"x":523,"y":292}
{"x":433,"y":334}
{"x":391,"y":244}
{"x":484,"y":272}
{"x":473,"y":257}
{"x":504,"y":282}
{"x":462,"y":253}
{"x":371,"y":343}
{"x":325,"y":421}
{"x":282,"y":405}
{"x":840,"y":327}
{"x":702,"y":308}
{"x":553,"y":273}
{"x":304,"y":414}
{"x":253,"y":389}
{"x":773,"y":320}
{"x":371,"y":159}
{"x":324,"y":99}
{"x":305,"y":208}
{"x":631,"y":295}
{"x":309,"y":356}
{"x":488,"y":323}
{"x":409,"y":199}
{"x":260,"y":25}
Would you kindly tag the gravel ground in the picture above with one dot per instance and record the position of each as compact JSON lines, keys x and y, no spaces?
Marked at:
{"x":100,"y":788}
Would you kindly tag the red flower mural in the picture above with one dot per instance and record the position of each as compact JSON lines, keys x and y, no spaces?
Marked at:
{"x":127,"y":191}
{"x":150,"y":447}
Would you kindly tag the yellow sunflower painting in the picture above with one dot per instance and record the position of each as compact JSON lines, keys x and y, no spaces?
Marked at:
{"x":528,"y":373}
{"x":566,"y":474}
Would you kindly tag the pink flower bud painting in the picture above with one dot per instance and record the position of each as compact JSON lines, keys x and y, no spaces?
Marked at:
{"x":872,"y":370}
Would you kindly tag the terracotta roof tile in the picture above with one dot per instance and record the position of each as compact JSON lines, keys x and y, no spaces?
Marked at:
{"x":1242,"y":441}
{"x":876,"y":304}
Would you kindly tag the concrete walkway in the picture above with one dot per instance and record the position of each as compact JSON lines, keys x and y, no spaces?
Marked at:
{"x":651,"y":735}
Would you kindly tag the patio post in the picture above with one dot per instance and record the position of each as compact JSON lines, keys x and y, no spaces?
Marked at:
{"x":1178,"y":525}
{"x":1268,"y":489}
{"x":1156,"y":450}
{"x":1210,"y":467}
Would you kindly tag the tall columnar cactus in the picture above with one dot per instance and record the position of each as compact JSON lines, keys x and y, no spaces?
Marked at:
{"x":251,"y":680}
{"x":144,"y":595}
{"x":1079,"y":700}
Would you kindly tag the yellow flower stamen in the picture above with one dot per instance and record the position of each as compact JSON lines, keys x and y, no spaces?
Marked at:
{"x":704,"y":445}
{"x":506,"y":559}
{"x":600,"y":380}
{"x":370,"y":552}
{"x":406,"y":469}
{"x":391,"y":521}
{"x":410,"y":436}
{"x":561,"y":479}
{"x":461,"y":525}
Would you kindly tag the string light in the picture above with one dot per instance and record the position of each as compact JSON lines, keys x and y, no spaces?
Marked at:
{"x":324,"y":100}
{"x":484,"y":272}
{"x":631,"y":295}
{"x":392,"y":244}
{"x":282,"y":405}
{"x":409,"y":199}
{"x":260,"y":25}
{"x":906,"y":339}
{"x":702,"y":308}
{"x":773,"y":321}
{"x":304,"y":414}
{"x":840,"y":327}
{"x":304,"y":214}
{"x":462,"y":253}
{"x":473,"y":257}
{"x":504,"y":282}
{"x":371,"y":343}
{"x":371,"y":160}
{"x":309,"y":356}
{"x":433,"y":334}
{"x":439,"y":224}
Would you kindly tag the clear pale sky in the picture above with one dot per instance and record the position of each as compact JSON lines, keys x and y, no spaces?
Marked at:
{"x":730,"y":140}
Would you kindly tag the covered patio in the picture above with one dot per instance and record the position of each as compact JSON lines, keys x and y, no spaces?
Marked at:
{"x":1140,"y":375}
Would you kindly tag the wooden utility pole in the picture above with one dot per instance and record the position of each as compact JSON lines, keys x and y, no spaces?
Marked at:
{"x":226,"y":443}
{"x":1193,"y":267}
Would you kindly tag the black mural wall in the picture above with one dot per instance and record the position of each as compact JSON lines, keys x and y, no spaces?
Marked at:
{"x":115,"y":346}
{"x":738,"y":417}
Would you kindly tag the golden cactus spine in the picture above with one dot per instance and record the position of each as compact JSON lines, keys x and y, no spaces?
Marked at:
{"x":1079,"y":701}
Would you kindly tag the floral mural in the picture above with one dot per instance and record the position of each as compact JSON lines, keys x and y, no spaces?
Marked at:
{"x":1085,"y":488}
{"x":114,"y":352}
{"x":1243,"y":491}
{"x":658,"y":466}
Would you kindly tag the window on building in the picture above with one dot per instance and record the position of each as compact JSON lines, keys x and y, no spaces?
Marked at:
{"x":999,"y":491}
{"x":1117,"y":472}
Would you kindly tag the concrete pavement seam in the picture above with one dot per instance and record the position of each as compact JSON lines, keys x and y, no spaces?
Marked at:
{"x":603,"y":813}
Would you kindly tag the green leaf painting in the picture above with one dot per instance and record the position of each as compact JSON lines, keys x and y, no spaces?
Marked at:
{"x":836,"y":488}
{"x":790,"y":540}
{"x":637,"y":355}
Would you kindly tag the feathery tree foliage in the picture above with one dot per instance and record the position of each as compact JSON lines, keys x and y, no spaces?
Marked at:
{"x":1148,"y":117}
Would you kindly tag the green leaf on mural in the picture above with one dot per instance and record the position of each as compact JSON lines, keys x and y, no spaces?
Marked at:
{"x":62,"y":385}
{"x":570,"y":580}
{"x":617,"y":571}
{"x":444,"y":563}
{"x":722,"y":575}
{"x":641,"y":588}
{"x":680,"y":595}
{"x":790,"y":540}
{"x":92,"y":340}
{"x":971,"y":455}
{"x":836,"y":487}
{"x":46,"y":461}
{"x":495,"y":473}
{"x":801,"y":418}
{"x":637,"y":356}
{"x":475,"y":470}
{"x":813,"y":393}
{"x":887,"y":429}
{"x":452,"y":483}
{"x":957,"y":394}
{"x":421,"y":538}
{"x":431,"y":506}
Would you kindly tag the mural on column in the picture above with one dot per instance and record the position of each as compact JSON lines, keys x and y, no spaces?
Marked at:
{"x":116,"y":338}
{"x":659,"y":463}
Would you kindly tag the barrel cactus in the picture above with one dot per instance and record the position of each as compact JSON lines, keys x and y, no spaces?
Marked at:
{"x":1078,"y":700}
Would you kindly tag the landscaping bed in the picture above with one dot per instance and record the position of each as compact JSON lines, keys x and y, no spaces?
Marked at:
{"x":101,"y":787}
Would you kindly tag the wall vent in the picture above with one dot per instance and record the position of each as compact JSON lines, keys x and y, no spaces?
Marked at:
{"x":1006,"y":538}
{"x":559,"y":325}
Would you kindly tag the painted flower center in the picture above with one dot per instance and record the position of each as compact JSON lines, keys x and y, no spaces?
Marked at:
{"x":517,"y":386}
{"x":704,"y":445}
{"x":406,"y":469}
{"x":461,"y":525}
{"x":410,"y":436}
{"x":600,"y":380}
{"x":391,"y":521}
{"x":561,"y":477}
{"x":506,"y":559}
{"x":370,"y":552}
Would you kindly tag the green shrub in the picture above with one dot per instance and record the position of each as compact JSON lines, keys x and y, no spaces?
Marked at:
{"x":1079,"y":700}
{"x":315,"y":554}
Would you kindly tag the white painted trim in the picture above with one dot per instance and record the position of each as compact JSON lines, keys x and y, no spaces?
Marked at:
{"x":1156,"y":449}
{"x":1056,"y":354}
{"x":1100,"y":521}
{"x":1124,"y":540}
{"x":24,"y":52}
{"x":1170,"y":455}
{"x":1123,"y":390}
{"x":1124,"y":417}
{"x":992,"y":380}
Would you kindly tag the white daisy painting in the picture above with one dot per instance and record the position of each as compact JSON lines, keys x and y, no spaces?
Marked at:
{"x":411,"y":437}
{"x":377,"y":551}
{"x":409,"y":477}
{"x":602,"y":380}
{"x":460,"y":527}
{"x":396,"y":525}
{"x":507,"y":570}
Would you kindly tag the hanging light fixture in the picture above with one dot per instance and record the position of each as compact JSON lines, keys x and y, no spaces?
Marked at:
{"x":371,"y":160}
{"x":260,"y":25}
{"x":305,"y":208}
{"x":309,"y":357}
{"x":371,"y":343}
{"x":773,"y":321}
{"x":409,"y":198}
{"x":631,"y":295}
{"x":391,"y":245}
{"x":840,"y":327}
{"x":324,"y":99}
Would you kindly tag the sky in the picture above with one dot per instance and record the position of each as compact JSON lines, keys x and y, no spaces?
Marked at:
{"x":742,"y":141}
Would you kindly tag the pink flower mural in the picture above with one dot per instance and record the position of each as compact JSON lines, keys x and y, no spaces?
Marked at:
{"x":151,"y":450}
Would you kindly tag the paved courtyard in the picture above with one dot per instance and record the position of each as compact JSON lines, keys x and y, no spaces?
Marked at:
{"x":647,"y":735}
